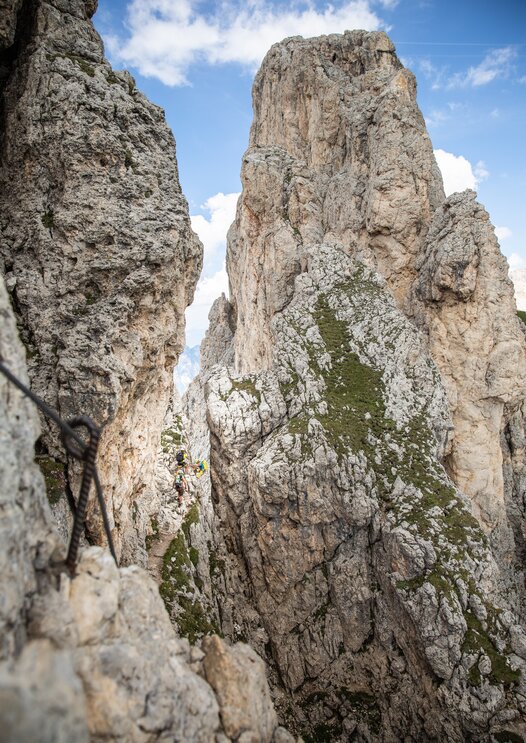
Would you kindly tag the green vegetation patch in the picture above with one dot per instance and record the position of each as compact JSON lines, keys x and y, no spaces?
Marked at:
{"x":477,"y":641}
{"x":522,"y":315}
{"x":353,"y":392}
{"x":194,"y":556}
{"x":192,"y":517}
{"x":216,"y":564}
{"x":355,"y":421}
{"x":192,"y":621}
{"x":171,"y":438}
{"x":48,"y":219}
{"x":248,"y":386}
{"x":178,"y":563}
{"x":54,"y":473}
{"x":86,"y":68}
{"x":151,"y":538}
{"x":174,"y":574}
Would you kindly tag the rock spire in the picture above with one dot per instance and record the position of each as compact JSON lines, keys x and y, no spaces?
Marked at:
{"x":367,"y":442}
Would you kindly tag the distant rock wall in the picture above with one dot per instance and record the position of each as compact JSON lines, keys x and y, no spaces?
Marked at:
{"x":96,"y":248}
{"x":373,"y":582}
{"x":335,"y":432}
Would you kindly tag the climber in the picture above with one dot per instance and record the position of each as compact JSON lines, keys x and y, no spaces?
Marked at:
{"x":182,"y":459}
{"x":184,"y":468}
{"x":180,"y":485}
{"x":200,"y":467}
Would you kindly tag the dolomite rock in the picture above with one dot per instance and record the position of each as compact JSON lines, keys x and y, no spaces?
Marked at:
{"x":387,"y":614}
{"x":238,"y":678}
{"x":97,"y":250}
{"x":339,"y":154}
{"x":41,"y":697}
{"x":8,"y":21}
{"x":25,"y":527}
{"x":94,"y":656}
{"x":373,"y":581}
{"x":328,"y":161}
{"x":478,"y":344}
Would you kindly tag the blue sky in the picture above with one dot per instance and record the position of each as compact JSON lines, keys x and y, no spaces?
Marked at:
{"x":197,"y":60}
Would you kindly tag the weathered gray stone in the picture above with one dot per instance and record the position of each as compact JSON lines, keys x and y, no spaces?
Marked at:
{"x":41,"y":697}
{"x":98,"y":249}
{"x":464,"y":301}
{"x":237,"y":675}
{"x":370,"y":575}
{"x":328,"y":161}
{"x":25,"y":526}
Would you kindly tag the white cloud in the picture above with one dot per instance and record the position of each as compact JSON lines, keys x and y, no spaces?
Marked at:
{"x":496,"y":64}
{"x":167,"y":36}
{"x":481,"y":172}
{"x":436,"y":118}
{"x":503,"y":233}
{"x":212,"y":232}
{"x":208,"y":290}
{"x":458,"y":173}
{"x":516,"y":261}
{"x":433,"y":73}
{"x":187,"y":368}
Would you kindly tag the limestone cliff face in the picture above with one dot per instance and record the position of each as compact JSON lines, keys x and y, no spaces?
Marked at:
{"x":93,"y":656}
{"x":338,"y":153}
{"x":465,"y":302}
{"x":96,"y":248}
{"x":378,"y":380}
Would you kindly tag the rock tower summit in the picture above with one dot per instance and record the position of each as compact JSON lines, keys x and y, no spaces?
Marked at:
{"x":367,"y":444}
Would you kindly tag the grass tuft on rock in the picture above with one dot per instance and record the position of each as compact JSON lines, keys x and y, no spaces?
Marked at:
{"x":54,"y":473}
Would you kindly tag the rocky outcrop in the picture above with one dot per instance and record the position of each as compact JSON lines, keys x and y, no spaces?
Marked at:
{"x":339,"y":154}
{"x":348,"y":427}
{"x":93,"y":656}
{"x":97,"y":252}
{"x":25,"y":526}
{"x":328,"y":160}
{"x":469,"y":315}
{"x":8,"y":20}
{"x":371,"y":578}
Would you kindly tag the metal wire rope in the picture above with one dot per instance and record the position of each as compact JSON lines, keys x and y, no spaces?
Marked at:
{"x":78,"y":449}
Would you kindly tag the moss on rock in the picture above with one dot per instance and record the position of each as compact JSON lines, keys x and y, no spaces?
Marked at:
{"x":54,"y":473}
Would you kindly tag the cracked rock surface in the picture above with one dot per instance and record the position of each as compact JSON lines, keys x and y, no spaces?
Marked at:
{"x":367,"y":439}
{"x":97,"y":251}
{"x":93,"y":656}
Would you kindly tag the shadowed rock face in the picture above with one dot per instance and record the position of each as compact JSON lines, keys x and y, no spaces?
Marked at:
{"x":377,"y":362}
{"x":96,"y":248}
